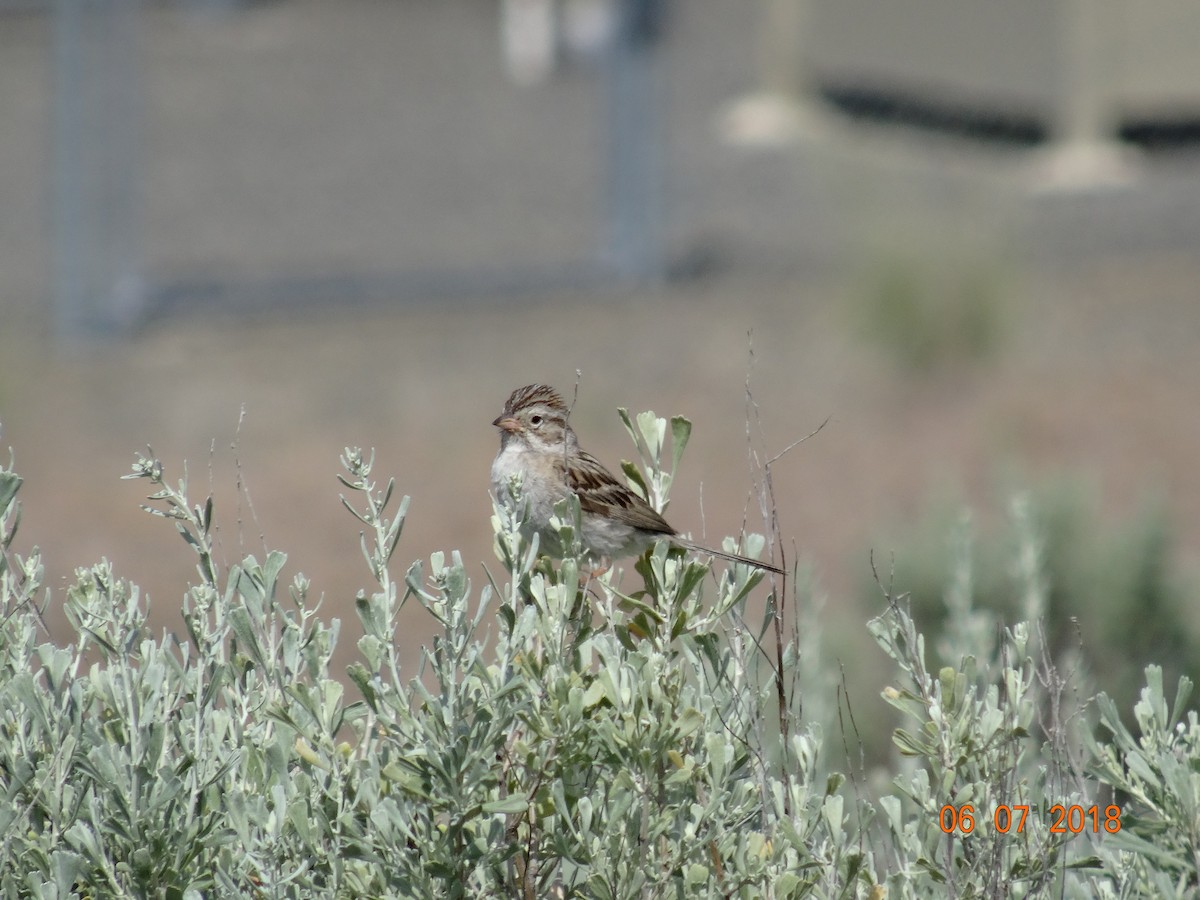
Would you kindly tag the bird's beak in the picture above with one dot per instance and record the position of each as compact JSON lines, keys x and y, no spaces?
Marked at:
{"x":507,"y":423}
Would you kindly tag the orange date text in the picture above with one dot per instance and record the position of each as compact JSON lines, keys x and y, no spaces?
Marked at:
{"x":1006,"y":819}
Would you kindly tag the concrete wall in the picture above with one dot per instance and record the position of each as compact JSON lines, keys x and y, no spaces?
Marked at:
{"x":1038,"y":58}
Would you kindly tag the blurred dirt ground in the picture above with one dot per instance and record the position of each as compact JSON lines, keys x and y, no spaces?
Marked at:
{"x":1095,"y":371}
{"x":1066,"y":395}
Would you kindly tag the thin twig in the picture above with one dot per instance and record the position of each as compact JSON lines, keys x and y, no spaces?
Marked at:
{"x":243,"y":489}
{"x":794,"y":444}
{"x":861,"y":776}
{"x":571,"y":409}
{"x":770,"y":510}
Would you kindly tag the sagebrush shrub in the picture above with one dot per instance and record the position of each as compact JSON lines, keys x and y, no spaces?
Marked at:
{"x":561,"y":736}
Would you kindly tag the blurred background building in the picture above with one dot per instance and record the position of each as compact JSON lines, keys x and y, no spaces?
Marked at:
{"x":592,"y":131}
{"x":249,"y":234}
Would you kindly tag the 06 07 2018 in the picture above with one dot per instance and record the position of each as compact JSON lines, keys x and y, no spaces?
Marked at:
{"x":1006,"y":819}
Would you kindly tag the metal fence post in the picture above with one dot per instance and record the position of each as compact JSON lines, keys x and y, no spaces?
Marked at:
{"x":97,"y":275}
{"x":634,"y":181}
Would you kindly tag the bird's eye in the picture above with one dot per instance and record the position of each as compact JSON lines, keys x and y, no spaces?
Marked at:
{"x":535,"y":420}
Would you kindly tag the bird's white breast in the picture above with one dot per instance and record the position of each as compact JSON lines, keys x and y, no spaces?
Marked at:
{"x":540,"y":489}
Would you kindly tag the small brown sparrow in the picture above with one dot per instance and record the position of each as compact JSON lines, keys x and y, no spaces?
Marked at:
{"x":537,"y":444}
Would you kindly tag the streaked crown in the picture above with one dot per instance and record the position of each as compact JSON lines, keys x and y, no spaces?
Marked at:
{"x":533,"y":395}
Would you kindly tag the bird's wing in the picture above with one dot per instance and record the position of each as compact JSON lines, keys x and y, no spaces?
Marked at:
{"x":601,"y":494}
